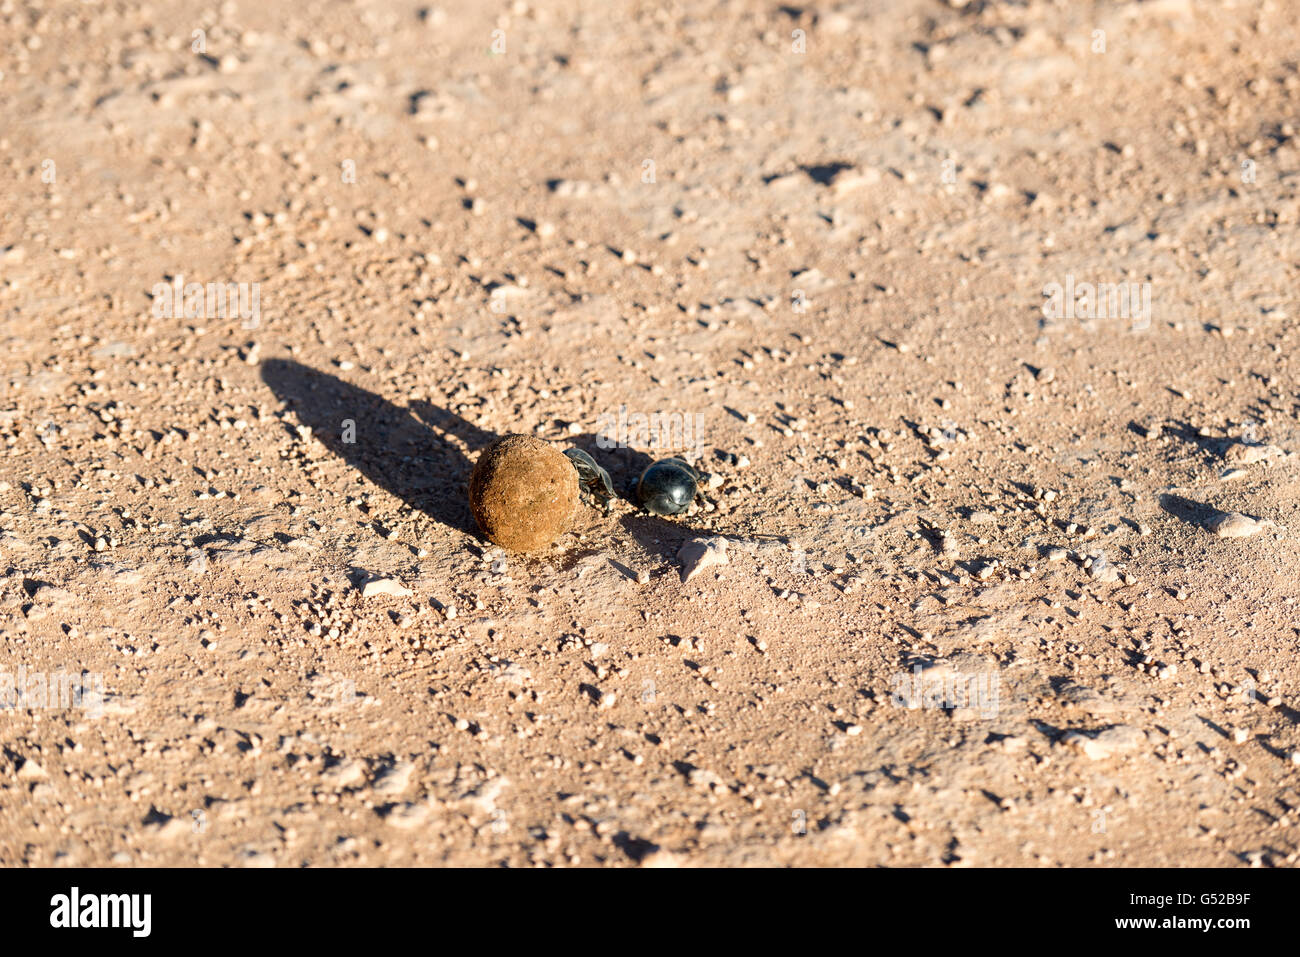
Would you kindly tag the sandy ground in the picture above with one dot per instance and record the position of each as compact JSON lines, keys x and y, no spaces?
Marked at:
{"x":1002,"y":586}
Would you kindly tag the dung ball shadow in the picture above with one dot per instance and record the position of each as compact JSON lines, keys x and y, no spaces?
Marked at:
{"x":395,"y":448}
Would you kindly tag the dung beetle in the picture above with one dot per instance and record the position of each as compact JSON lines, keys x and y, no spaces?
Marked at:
{"x":593,"y":481}
{"x":667,"y":487}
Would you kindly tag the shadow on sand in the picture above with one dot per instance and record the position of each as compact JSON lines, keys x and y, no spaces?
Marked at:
{"x":404,"y":451}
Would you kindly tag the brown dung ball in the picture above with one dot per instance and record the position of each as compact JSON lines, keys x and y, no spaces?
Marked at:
{"x":523,"y":492}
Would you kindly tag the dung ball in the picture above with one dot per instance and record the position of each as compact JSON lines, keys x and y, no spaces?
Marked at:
{"x":523,"y":491}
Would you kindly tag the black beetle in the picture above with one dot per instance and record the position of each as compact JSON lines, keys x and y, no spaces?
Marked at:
{"x":593,"y":481}
{"x":667,"y":487}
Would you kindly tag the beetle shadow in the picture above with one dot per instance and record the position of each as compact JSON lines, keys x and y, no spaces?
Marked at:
{"x":403,"y":451}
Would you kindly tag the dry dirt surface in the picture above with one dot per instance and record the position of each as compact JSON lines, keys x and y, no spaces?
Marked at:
{"x":986,"y":570}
